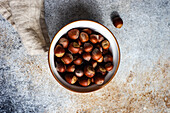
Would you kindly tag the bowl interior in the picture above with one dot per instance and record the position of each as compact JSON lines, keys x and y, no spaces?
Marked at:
{"x":114,"y":48}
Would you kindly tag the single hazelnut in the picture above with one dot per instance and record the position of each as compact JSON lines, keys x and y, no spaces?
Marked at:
{"x":78,"y":61}
{"x":99,"y":79}
{"x":60,"y":67}
{"x":81,"y":50}
{"x":79,"y":42}
{"x":86,"y":56}
{"x":64,"y":42}
{"x":84,"y":37}
{"x":101,"y":69}
{"x":105,"y":44}
{"x":96,"y":54}
{"x":84,"y":81}
{"x":67,"y":58}
{"x":108,"y":58}
{"x":79,"y":72}
{"x":87,"y":31}
{"x":88,"y":47}
{"x":94,"y":38}
{"x":74,"y":47}
{"x":70,"y":68}
{"x":70,"y":78}
{"x":100,"y":60}
{"x":89,"y":71}
{"x":99,"y":47}
{"x":101,"y":38}
{"x":73,"y":34}
{"x":59,"y":51}
{"x":109,"y":66}
{"x":94,"y":63}
{"x":117,"y":22}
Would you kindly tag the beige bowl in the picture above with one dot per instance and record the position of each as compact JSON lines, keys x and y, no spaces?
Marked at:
{"x":114,"y":48}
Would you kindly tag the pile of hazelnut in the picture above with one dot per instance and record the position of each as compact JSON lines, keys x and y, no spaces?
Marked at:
{"x":82,"y":57}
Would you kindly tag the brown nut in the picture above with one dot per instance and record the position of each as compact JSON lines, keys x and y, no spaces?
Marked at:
{"x":108,"y":58}
{"x":117,"y":22}
{"x":88,"y":31}
{"x":99,"y":79}
{"x":59,"y":51}
{"x":105,"y":44}
{"x":78,"y":61}
{"x":74,"y":47}
{"x":70,"y":78}
{"x":64,"y":42}
{"x":67,"y":58}
{"x":100,"y":60}
{"x":70,"y":68}
{"x":96,"y":54}
{"x":109,"y":66}
{"x":86,"y":56}
{"x":79,"y":72}
{"x":60,"y":67}
{"x":94,"y":63}
{"x":88,"y":47}
{"x":101,"y":69}
{"x":101,"y":38}
{"x":84,"y":81}
{"x":99,"y":47}
{"x":94,"y":38}
{"x":73,"y":34}
{"x":81,"y":50}
{"x":79,"y":42}
{"x":89,"y":71}
{"x":84,"y":37}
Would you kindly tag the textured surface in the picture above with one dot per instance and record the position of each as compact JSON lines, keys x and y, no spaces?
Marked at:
{"x":140,"y":85}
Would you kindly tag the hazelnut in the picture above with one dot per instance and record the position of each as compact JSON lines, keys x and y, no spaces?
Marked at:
{"x":84,"y":37}
{"x":96,"y":54}
{"x":81,"y":50}
{"x":86,"y":56}
{"x":79,"y":72}
{"x":64,"y":42}
{"x":70,"y":68}
{"x":108,"y":58}
{"x":67,"y":58}
{"x":109,"y":66}
{"x":89,"y":71}
{"x":60,"y":67}
{"x":74,"y":47}
{"x":94,"y":38}
{"x":79,"y":42}
{"x":59,"y":51}
{"x":101,"y":38}
{"x":101,"y":69}
{"x":94,"y":63}
{"x":100,"y":60}
{"x":87,"y":31}
{"x":118,"y":22}
{"x":88,"y":47}
{"x":73,"y":34}
{"x":99,"y":47}
{"x":78,"y":61}
{"x":70,"y":78}
{"x":99,"y":79}
{"x":105,"y":44}
{"x":84,"y":81}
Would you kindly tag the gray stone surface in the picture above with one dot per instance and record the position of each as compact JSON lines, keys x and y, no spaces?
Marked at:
{"x":140,"y":85}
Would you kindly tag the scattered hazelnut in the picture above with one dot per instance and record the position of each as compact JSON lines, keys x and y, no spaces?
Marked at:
{"x":99,"y":79}
{"x":94,"y":63}
{"x":84,"y":37}
{"x":101,"y":69}
{"x":109,"y":66}
{"x":74,"y":47}
{"x":101,"y":38}
{"x":88,"y":47}
{"x":94,"y":38}
{"x":59,"y":51}
{"x":108,"y":58}
{"x":84,"y":81}
{"x":89,"y":71}
{"x":64,"y":42}
{"x":86,"y":56}
{"x":100,"y":60}
{"x":87,"y":31}
{"x":70,"y":68}
{"x":118,"y":22}
{"x":70,"y":78}
{"x":79,"y":72}
{"x":78,"y":61}
{"x":60,"y":67}
{"x":105,"y":44}
{"x":67,"y":58}
{"x":96,"y":54}
{"x":81,"y":50}
{"x":73,"y":34}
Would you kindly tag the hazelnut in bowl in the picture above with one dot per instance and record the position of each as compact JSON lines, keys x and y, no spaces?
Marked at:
{"x":84,"y":56}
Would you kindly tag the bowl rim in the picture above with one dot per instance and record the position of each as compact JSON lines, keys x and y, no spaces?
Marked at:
{"x":102,"y":85}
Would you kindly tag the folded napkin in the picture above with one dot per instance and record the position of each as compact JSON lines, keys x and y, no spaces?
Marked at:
{"x":27,"y":16}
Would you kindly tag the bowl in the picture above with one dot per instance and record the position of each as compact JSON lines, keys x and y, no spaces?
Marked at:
{"x":114,"y":48}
